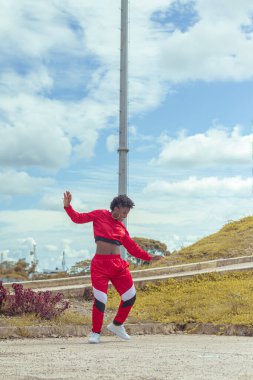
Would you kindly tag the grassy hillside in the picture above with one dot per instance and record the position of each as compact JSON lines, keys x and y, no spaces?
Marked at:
{"x":208,"y":298}
{"x":234,"y":239}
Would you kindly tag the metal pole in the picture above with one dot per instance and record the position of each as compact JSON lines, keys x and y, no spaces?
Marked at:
{"x":123,"y":114}
{"x":63,"y":261}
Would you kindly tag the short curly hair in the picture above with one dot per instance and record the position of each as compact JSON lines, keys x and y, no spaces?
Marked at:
{"x":121,"y":201}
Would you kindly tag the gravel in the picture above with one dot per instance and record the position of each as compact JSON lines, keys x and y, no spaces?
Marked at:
{"x":149,"y":357}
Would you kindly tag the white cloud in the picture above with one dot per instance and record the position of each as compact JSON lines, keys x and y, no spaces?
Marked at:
{"x":28,"y":241}
{"x":76,"y":255}
{"x":66,"y":242}
{"x":37,"y":81}
{"x":39,"y":127}
{"x":142,"y":142}
{"x":21,"y":183}
{"x":215,"y":48}
{"x":215,"y":10}
{"x":112,"y":143}
{"x":53,"y":202}
{"x":51,"y":248}
{"x":216,"y":147}
{"x":32,"y":135}
{"x":33,"y":221}
{"x":60,"y":88}
{"x":46,"y":229}
{"x":34,"y":28}
{"x":181,"y":220}
{"x":38,"y":131}
{"x":203,"y":187}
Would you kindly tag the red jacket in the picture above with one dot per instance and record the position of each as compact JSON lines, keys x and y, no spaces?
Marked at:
{"x":105,"y":226}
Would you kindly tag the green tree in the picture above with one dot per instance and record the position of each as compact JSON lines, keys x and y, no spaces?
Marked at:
{"x":80,"y":267}
{"x":21,"y":267}
{"x":153,"y":247}
{"x":12,"y":269}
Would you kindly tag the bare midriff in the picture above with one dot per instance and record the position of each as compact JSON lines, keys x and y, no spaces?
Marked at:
{"x":104,"y":248}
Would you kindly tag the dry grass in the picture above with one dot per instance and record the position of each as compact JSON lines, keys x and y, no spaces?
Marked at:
{"x":209,"y":298}
{"x":25,"y":320}
{"x":233,"y":240}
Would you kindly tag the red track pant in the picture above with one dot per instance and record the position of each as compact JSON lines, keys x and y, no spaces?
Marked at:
{"x":105,"y":268}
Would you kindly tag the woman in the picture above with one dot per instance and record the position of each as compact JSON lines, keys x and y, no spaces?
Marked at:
{"x":107,"y":264}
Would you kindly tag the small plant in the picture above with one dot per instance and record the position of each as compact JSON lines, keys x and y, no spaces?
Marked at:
{"x":43,"y":304}
{"x":235,"y":302}
{"x":88,"y":294}
{"x":208,"y":298}
{"x":3,"y":294}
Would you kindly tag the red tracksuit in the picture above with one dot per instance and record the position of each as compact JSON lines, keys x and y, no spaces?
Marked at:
{"x":105,"y":268}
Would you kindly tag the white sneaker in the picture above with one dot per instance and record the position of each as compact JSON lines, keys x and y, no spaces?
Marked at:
{"x":94,"y":338}
{"x":119,"y":331}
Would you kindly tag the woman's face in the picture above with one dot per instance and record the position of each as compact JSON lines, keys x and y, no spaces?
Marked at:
{"x":120,"y":213}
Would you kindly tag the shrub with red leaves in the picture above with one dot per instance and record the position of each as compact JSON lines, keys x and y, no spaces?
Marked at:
{"x":88,"y":294}
{"x":3,"y":293}
{"x":44,"y":304}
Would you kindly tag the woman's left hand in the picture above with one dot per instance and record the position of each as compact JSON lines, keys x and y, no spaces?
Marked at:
{"x":157,"y":257}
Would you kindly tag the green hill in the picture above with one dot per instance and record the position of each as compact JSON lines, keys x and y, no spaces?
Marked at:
{"x":233,"y":240}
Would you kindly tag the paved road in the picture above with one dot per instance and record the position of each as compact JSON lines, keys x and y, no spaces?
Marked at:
{"x":170,"y":357}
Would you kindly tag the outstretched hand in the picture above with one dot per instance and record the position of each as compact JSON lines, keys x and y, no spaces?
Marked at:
{"x":67,"y":199}
{"x":156,"y":257}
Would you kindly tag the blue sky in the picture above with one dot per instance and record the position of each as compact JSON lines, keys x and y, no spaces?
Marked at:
{"x":190,"y":120}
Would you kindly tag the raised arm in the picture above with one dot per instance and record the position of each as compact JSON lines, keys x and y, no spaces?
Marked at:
{"x":67,"y":197}
{"x":77,"y":217}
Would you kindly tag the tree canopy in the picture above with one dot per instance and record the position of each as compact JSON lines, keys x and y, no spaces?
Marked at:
{"x":153,"y":247}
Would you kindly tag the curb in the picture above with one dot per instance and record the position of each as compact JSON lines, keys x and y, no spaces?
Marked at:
{"x":133,"y":329}
{"x":178,"y":269}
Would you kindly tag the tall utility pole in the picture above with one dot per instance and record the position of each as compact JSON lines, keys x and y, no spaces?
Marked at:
{"x":123,"y":114}
{"x":33,"y":253}
{"x":63,"y":263}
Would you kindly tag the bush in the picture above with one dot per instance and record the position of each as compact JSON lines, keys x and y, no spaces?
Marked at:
{"x":43,"y":304}
{"x":3,"y":294}
{"x":208,"y":298}
{"x":88,"y":294}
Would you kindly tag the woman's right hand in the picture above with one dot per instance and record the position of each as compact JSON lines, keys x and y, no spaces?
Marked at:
{"x":67,"y":199}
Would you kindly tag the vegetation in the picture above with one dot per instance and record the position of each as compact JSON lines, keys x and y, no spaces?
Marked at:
{"x":81,"y":267}
{"x":43,"y":304}
{"x":67,"y":318}
{"x":19,"y":270}
{"x":153,"y":247}
{"x":22,"y":271}
{"x":210,"y":298}
{"x":233,"y":240}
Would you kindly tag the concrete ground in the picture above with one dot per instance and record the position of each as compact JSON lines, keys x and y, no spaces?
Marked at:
{"x":149,"y":357}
